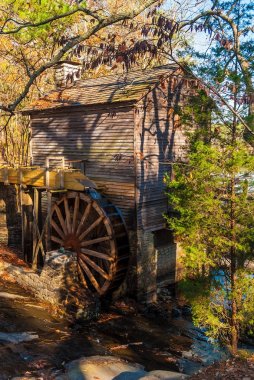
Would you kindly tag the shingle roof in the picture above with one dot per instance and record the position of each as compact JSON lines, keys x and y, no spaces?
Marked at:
{"x":126,"y":87}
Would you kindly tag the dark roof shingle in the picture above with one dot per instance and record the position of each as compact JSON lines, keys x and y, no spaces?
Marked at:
{"x":126,"y":87}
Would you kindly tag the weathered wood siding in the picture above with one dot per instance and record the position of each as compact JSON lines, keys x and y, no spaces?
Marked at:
{"x":103,"y":136}
{"x":158,"y":139}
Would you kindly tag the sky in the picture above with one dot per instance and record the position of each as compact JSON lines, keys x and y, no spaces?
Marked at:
{"x":190,"y":8}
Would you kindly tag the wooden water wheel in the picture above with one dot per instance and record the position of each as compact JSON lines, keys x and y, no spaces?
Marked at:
{"x":89,"y":225}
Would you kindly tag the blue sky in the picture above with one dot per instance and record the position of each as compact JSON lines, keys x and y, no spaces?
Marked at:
{"x":192,"y":8}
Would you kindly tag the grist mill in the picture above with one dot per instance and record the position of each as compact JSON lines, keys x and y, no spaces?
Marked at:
{"x":99,"y":151}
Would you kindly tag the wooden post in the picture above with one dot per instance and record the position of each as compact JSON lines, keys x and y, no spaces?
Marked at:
{"x":27,"y":222}
{"x":38,"y":231}
{"x":23,"y":220}
{"x":36,"y":199}
{"x":47,"y":173}
{"x":48,"y":227}
{"x":6,"y":179}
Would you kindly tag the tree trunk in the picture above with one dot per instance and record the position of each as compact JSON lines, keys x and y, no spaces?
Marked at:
{"x":233,"y":267}
{"x":233,"y":264}
{"x":233,"y":253}
{"x":234,"y":329}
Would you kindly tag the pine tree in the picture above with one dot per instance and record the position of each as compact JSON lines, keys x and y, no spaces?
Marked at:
{"x":215,"y":223}
{"x":212,"y":191}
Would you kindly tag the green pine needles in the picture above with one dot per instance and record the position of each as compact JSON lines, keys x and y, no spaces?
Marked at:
{"x":212,"y":191}
{"x":212,"y":196}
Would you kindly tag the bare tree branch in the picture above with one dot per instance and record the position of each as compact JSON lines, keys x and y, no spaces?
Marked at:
{"x":215,"y":92}
{"x":220,"y":15}
{"x":46,"y":21}
{"x":101,"y":24}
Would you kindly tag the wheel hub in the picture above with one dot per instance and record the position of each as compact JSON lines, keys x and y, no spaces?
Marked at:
{"x":72,"y":243}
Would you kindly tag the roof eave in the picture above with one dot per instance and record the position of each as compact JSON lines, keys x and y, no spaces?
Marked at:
{"x":76,"y":106}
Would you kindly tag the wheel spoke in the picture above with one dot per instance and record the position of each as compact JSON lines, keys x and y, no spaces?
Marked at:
{"x":67,"y":214}
{"x":84,"y":217}
{"x":95,"y":241}
{"x":61,"y":219}
{"x":90,"y":275}
{"x":75,"y":214}
{"x":57,"y":240}
{"x":58,"y":230}
{"x":81,"y":224}
{"x":89,"y":229}
{"x":100,"y":255}
{"x":81,"y":274}
{"x":95,"y":267}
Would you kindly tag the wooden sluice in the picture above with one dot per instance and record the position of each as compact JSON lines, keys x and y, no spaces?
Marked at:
{"x":46,"y":178}
{"x":32,"y":182}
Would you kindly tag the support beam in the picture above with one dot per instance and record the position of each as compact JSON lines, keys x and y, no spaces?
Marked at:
{"x":53,"y":179}
{"x":48,"y":226}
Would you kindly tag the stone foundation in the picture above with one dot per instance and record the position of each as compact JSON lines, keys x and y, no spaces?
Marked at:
{"x":166,"y":249}
{"x":157,"y":257}
{"x":57,"y":284}
{"x":10,"y":216}
{"x":146,"y":268}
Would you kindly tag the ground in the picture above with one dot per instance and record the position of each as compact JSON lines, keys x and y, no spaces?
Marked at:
{"x":232,"y":369}
{"x":159,"y":337}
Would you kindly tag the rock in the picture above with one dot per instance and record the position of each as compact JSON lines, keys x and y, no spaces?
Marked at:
{"x":18,"y":337}
{"x":165,"y":375}
{"x":11,"y":296}
{"x":24,"y":378}
{"x":176,"y":313}
{"x":186,"y":311}
{"x":109,"y":368}
{"x":187,"y":354}
{"x":102,"y":367}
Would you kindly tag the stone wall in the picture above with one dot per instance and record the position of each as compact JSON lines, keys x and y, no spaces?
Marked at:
{"x":129,"y":284}
{"x":10,"y":216}
{"x":157,"y":257}
{"x":57,"y":284}
{"x":146,"y":267}
{"x":166,"y":257}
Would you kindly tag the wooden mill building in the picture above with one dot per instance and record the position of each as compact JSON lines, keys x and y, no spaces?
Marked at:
{"x":121,"y":131}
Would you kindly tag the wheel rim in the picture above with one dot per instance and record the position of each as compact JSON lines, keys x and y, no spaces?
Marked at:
{"x":80,"y":225}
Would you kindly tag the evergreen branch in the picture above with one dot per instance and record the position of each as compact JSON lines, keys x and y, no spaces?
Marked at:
{"x":186,"y":69}
{"x":220,"y":15}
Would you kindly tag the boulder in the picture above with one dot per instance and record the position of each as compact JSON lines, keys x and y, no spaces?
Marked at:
{"x":112,"y":368}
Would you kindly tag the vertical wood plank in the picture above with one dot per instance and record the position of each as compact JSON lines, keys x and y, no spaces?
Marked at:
{"x":27,"y":222}
{"x":23,"y":220}
{"x":35,"y":227}
{"x":48,"y":226}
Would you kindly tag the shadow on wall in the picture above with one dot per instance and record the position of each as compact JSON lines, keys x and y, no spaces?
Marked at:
{"x":161,"y":140}
{"x":99,"y":136}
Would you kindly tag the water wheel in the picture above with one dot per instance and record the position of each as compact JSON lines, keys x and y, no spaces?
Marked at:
{"x":89,"y":225}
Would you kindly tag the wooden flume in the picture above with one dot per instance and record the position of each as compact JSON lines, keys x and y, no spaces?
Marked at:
{"x":52,"y":179}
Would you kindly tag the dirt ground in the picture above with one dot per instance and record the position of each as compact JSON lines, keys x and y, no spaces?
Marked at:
{"x":233,"y":369}
{"x":115,"y":333}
